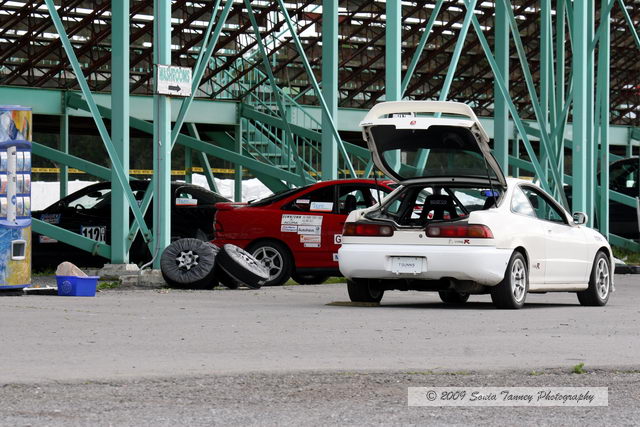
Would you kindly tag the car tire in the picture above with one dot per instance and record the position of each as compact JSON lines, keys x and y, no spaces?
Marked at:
{"x":309,"y":279}
{"x":453,"y":297}
{"x":512,"y":291}
{"x":360,"y":290}
{"x":597,"y":294}
{"x":242,"y":266}
{"x":275,"y":257}
{"x":225,"y":279}
{"x":189,"y":264}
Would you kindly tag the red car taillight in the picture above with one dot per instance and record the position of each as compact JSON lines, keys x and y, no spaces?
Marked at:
{"x":357,"y":229}
{"x":473,"y":231}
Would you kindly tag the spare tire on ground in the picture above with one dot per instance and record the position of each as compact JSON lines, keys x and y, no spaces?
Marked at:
{"x":189,"y":264}
{"x":242,"y":266}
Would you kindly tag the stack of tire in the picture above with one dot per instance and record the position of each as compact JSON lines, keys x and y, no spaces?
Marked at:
{"x":195,"y":264}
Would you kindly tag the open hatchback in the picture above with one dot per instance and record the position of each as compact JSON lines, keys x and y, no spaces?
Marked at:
{"x":426,"y":141}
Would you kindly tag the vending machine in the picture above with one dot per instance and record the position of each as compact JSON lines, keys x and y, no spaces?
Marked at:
{"x":15,"y":197}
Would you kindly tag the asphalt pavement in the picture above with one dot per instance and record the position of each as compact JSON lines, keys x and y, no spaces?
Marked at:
{"x":253,"y":348}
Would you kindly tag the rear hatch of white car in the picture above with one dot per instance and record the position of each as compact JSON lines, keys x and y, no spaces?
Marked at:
{"x":428,"y":141}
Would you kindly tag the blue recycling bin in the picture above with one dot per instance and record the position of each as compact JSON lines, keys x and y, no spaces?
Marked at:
{"x":15,"y":197}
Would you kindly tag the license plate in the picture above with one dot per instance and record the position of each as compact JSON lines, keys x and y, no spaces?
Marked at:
{"x":96,"y":233}
{"x":408,"y":265}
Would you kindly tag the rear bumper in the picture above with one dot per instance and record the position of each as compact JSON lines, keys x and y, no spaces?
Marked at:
{"x":485,"y":265}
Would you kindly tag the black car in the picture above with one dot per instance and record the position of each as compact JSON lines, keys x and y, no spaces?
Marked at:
{"x":88,"y":212}
{"x":623,"y":178}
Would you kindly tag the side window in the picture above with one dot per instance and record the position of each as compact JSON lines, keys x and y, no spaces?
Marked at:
{"x":624,"y":177}
{"x":93,"y":200}
{"x":544,"y":208}
{"x":351,"y":197}
{"x":520,"y":204}
{"x":321,"y":200}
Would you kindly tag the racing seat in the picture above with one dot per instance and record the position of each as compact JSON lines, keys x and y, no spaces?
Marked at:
{"x":439,"y":204}
{"x":350,"y":203}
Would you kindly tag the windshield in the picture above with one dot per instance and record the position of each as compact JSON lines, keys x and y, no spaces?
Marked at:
{"x":437,"y":151}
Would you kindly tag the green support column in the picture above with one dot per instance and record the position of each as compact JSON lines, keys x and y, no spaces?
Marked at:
{"x":580,"y":133}
{"x":120,"y":127}
{"x":501,"y":111}
{"x":329,"y":87}
{"x":237,"y":175}
{"x":545,"y":73}
{"x":591,"y":149}
{"x":516,"y":153}
{"x":162,"y":133}
{"x":393,"y":57}
{"x":560,"y":79}
{"x":64,"y":147}
{"x":604,"y":62}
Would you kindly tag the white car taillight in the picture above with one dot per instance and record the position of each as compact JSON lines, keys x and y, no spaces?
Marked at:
{"x":473,"y":231}
{"x":357,"y":229}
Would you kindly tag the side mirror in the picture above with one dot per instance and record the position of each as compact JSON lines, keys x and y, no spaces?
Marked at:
{"x":580,"y":218}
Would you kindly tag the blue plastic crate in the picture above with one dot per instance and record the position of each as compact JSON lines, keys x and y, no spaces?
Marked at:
{"x":73,"y":286}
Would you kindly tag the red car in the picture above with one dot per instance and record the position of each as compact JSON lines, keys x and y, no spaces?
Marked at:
{"x":297,"y":233}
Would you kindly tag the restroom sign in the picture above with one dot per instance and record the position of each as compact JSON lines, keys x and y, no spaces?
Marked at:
{"x":173,"y":81}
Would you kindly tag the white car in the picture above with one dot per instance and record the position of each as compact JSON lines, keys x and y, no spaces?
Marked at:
{"x":456,"y":225}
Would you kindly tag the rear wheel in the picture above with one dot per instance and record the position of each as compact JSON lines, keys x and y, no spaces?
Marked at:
{"x":453,"y":297}
{"x":597,"y":294}
{"x":360,"y":290}
{"x":512,"y":291}
{"x":309,"y":279}
{"x":274,"y":256}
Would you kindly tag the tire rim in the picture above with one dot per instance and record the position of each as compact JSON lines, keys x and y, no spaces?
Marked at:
{"x":518,"y":280}
{"x":602,"y":278}
{"x":270,"y":259}
{"x":187,"y":260}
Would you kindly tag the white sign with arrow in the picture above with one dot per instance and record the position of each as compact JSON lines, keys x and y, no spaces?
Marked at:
{"x":173,"y":81}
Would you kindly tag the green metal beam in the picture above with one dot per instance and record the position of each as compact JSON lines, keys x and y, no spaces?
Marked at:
{"x":61,"y":158}
{"x":288,"y":135}
{"x":316,"y":87}
{"x":329,"y":167}
{"x":204,"y":161}
{"x":632,"y":27}
{"x":71,"y":238}
{"x":420,"y":48}
{"x":499,"y":78}
{"x":93,"y":108}
{"x":120,"y":127}
{"x":580,"y":106}
{"x":162,"y":142}
{"x":64,"y":147}
{"x":201,"y":65}
{"x":604,"y":63}
{"x":237,"y":176}
{"x":501,"y":111}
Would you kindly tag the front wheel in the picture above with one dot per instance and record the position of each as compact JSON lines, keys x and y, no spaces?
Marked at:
{"x":273,"y":256}
{"x":597,"y":294}
{"x":512,"y":291}
{"x":361,"y":290}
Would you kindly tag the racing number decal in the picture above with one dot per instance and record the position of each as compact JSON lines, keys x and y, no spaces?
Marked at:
{"x":337,"y":239}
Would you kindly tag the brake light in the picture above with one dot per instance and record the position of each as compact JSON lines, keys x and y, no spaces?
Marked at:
{"x":473,"y":231}
{"x":358,"y":229}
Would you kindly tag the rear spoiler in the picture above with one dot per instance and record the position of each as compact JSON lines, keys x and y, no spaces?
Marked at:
{"x":443,"y":107}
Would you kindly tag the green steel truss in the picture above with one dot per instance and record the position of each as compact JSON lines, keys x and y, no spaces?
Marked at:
{"x":546,"y":70}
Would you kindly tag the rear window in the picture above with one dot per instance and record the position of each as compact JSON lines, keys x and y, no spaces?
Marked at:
{"x":418,"y":205}
{"x":277,"y":197}
{"x":434,"y":152}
